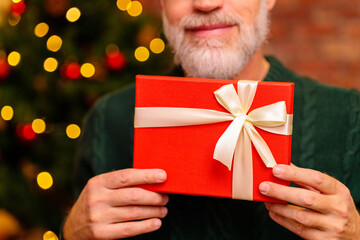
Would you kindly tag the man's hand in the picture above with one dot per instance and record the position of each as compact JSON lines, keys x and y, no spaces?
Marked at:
{"x":324,"y":206}
{"x":111,"y":206}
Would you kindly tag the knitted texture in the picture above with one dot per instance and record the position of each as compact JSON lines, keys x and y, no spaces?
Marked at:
{"x":97,"y":141}
{"x":308,"y":127}
{"x":351,"y":159}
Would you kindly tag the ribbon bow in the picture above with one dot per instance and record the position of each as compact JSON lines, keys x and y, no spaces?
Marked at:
{"x":238,"y":105}
{"x":233,"y":149}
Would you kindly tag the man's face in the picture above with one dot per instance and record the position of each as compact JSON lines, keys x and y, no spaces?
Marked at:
{"x":215,"y":38}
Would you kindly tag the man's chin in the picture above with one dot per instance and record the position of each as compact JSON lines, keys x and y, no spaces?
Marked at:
{"x":210,"y":39}
{"x":211,"y":68}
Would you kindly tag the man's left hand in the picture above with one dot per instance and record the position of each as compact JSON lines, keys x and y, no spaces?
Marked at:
{"x":322,"y":208}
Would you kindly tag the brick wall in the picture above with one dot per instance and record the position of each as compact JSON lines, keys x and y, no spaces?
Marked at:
{"x":315,"y":38}
{"x":319,"y":39}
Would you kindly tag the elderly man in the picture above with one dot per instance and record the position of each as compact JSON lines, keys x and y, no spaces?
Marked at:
{"x":223,"y":39}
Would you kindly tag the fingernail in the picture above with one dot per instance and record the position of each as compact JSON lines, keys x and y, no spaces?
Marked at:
{"x":264,"y":187}
{"x":166,"y":199}
{"x":157,"y":223}
{"x":278,"y":170}
{"x":164,"y":211}
{"x":267,"y":205}
{"x":272,"y":214}
{"x":161,"y":176}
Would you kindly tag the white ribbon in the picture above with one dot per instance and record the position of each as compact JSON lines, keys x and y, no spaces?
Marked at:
{"x":234,"y":146}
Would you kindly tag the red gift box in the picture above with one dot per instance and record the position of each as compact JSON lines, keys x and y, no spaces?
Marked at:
{"x":213,"y":137}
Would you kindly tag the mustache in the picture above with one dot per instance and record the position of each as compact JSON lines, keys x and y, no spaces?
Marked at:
{"x":196,"y":20}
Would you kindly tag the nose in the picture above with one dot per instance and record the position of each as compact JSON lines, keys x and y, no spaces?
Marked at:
{"x":207,"y":5}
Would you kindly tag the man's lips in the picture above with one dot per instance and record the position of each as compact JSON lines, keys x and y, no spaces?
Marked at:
{"x":210,"y":30}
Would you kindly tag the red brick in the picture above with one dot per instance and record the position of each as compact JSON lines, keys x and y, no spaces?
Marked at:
{"x":318,"y":39}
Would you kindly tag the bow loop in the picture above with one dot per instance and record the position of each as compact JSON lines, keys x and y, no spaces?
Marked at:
{"x":228,"y":98}
{"x":272,"y":115}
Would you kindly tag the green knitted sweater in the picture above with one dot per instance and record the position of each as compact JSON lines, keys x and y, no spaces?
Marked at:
{"x":326,"y":137}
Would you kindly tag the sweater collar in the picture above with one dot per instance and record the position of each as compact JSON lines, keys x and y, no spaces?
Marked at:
{"x":276,"y":70}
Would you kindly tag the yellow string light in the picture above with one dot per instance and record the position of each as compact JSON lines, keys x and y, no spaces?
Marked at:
{"x":73,"y":131}
{"x":157,"y":45}
{"x":38,"y":126}
{"x":7,"y":113}
{"x":54,"y":43}
{"x":73,"y":14}
{"x":49,"y":235}
{"x":142,"y":54}
{"x":87,"y":70}
{"x":44,"y":180}
{"x":50,"y":64}
{"x":16,"y":1}
{"x":123,"y":4}
{"x":41,"y":29}
{"x":134,"y":8}
{"x":14,"y":58}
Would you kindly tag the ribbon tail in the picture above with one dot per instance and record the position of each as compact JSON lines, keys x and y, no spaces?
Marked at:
{"x":225,"y":147}
{"x":242,"y":187}
{"x":260,"y":145}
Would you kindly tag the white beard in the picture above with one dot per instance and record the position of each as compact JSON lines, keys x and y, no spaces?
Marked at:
{"x":220,"y":57}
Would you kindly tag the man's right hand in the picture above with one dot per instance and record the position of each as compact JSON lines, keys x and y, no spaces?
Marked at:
{"x":112,"y":207}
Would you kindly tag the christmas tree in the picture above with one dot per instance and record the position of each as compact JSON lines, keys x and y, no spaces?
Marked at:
{"x":57,"y":57}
